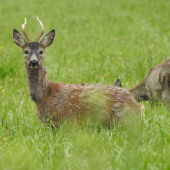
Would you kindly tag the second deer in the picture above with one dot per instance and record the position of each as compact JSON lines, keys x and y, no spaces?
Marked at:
{"x":77,"y":102}
{"x":155,"y":86}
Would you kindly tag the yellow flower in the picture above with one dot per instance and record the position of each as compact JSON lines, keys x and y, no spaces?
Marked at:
{"x":0,"y":87}
{"x":3,"y":91}
{"x":1,"y":47}
{"x":4,"y":139}
{"x":48,"y":120}
{"x":106,"y":75}
{"x":11,"y":79}
{"x":79,"y":75}
{"x":120,"y":58}
{"x":18,"y":91}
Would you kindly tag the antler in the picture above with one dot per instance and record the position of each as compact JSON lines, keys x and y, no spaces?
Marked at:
{"x":42,"y":31}
{"x":24,"y":32}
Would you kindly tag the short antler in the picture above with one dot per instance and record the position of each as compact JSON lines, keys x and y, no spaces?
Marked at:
{"x":24,"y":32}
{"x":42,"y":31}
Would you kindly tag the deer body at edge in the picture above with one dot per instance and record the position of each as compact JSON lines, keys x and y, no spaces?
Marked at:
{"x":156,"y":84}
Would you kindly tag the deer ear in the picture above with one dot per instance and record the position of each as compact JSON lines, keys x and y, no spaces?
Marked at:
{"x":18,"y":38}
{"x":117,"y":83}
{"x":48,"y":39}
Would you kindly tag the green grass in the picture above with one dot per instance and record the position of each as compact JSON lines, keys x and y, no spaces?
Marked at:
{"x":96,"y":41}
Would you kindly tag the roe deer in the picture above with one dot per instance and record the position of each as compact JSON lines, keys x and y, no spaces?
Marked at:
{"x":77,"y":102}
{"x":156,"y":84}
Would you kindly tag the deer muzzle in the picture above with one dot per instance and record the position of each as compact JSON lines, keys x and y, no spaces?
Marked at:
{"x":33,"y":63}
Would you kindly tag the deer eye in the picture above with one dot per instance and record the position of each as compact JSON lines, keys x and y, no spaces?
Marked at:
{"x":41,"y":52}
{"x":26,"y":52}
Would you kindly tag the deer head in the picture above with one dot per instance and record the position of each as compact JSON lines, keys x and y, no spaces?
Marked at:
{"x":33,"y":50}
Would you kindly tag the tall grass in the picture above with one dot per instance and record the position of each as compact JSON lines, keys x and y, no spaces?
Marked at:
{"x":96,"y":42}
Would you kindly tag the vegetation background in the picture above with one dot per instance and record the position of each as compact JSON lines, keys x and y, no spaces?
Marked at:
{"x":96,"y":41}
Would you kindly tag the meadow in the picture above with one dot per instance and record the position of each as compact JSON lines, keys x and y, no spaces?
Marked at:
{"x":96,"y":41}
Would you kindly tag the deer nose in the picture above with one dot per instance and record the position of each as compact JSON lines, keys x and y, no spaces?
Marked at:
{"x":33,"y":63}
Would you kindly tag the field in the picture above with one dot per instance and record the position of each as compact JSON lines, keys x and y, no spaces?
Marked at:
{"x":96,"y":41}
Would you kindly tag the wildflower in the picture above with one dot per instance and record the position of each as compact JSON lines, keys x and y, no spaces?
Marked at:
{"x":0,"y":87}
{"x":4,"y":139}
{"x":106,"y":75}
{"x":79,"y":75}
{"x":120,"y":58}
{"x":1,"y":47}
{"x":3,"y":91}
{"x":18,"y":91}
{"x":11,"y":79}
{"x":48,"y":120}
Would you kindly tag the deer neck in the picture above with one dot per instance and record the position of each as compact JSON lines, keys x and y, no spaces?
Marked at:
{"x":140,"y":92}
{"x":37,"y":82}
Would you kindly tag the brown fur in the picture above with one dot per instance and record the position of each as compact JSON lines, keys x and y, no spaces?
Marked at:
{"x":55,"y":101}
